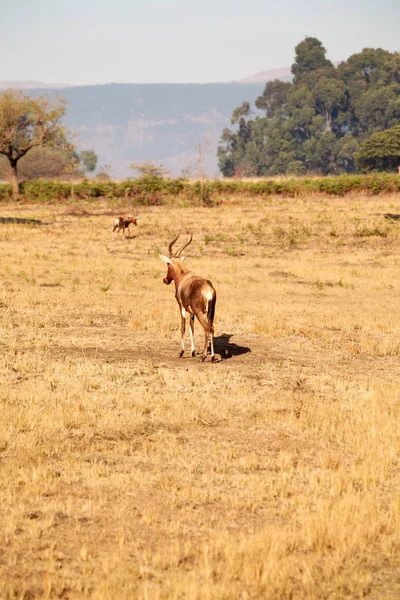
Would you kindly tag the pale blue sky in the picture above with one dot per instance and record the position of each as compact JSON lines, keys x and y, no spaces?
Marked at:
{"x":103,"y":41}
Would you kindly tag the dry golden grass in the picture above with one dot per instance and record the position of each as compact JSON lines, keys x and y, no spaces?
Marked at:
{"x":128,"y":473}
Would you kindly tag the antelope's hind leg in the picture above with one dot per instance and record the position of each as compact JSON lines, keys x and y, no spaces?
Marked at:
{"x":183,"y":328}
{"x":212,"y":346}
{"x":192,"y":334}
{"x":206,"y":338}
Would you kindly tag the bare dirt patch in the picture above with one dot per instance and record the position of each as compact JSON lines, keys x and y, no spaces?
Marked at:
{"x":243,"y":353}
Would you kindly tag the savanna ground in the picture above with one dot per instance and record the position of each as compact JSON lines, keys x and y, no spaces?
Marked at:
{"x":274,"y":473}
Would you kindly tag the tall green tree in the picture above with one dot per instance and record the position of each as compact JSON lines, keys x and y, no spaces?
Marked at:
{"x":274,"y":98}
{"x":232,"y":154}
{"x":27,"y":123}
{"x":310,"y":56}
{"x":380,"y":152}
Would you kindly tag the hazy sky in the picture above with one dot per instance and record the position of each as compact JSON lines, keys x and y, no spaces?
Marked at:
{"x":102,"y":41}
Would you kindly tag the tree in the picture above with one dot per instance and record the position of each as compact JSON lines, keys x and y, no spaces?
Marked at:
{"x":310,"y":56}
{"x":240,"y":112}
{"x":196,"y":168}
{"x":89,"y":160}
{"x":380,"y":152}
{"x":346,"y":148}
{"x":329,"y":94}
{"x":150,"y":169}
{"x":226,"y":158}
{"x":274,"y":98}
{"x":39,"y":162}
{"x":320,"y":153}
{"x":232,"y":154}
{"x":371,"y":67}
{"x":372,"y":79}
{"x":27,"y":123}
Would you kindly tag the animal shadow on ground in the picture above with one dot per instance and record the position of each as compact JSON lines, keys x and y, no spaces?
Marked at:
{"x":226,"y":348}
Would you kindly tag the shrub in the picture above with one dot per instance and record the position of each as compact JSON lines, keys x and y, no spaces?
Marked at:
{"x":5,"y":191}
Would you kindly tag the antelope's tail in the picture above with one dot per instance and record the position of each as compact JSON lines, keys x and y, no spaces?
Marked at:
{"x":210,"y":309}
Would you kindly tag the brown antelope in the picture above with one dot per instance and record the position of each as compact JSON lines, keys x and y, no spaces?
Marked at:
{"x":123,"y":223}
{"x":195,"y":296}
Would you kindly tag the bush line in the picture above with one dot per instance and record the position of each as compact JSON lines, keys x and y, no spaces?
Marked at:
{"x":151,"y":190}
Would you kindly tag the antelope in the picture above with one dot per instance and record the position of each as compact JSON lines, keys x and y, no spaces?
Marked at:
{"x":195,"y":296}
{"x":123,"y":223}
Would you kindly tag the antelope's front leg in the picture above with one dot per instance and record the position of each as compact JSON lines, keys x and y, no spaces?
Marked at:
{"x":183,"y":328}
{"x":191,"y":323}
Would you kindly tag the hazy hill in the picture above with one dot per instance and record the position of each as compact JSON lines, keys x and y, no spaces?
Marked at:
{"x":158,"y":122}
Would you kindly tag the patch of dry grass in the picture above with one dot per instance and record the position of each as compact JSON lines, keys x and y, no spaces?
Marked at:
{"x":126,"y":472}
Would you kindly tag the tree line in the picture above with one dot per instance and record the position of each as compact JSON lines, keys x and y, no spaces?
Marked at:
{"x":328,"y":120}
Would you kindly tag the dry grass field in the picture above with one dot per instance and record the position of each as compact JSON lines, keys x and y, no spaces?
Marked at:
{"x":126,"y":472}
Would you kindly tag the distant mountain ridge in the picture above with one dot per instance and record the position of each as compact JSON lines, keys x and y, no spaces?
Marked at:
{"x":284,"y":74}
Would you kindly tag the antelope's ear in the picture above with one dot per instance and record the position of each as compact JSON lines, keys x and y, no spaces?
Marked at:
{"x":165,"y":259}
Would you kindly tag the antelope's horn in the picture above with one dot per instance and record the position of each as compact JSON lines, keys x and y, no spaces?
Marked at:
{"x":185,"y":246}
{"x":171,"y":254}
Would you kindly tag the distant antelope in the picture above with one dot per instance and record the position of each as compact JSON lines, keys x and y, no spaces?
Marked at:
{"x":195,"y":295}
{"x":123,"y":223}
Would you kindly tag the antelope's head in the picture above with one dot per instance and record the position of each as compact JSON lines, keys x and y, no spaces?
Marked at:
{"x":174,"y":260}
{"x":133,"y":219}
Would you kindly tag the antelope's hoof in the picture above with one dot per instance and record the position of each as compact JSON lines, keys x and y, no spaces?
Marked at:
{"x":212,"y":359}
{"x":193,"y":353}
{"x":181,"y":353}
